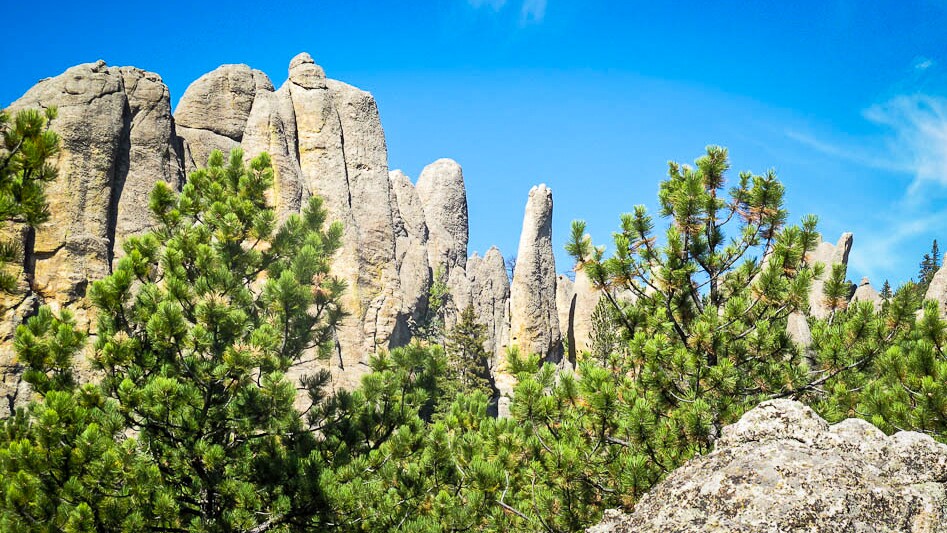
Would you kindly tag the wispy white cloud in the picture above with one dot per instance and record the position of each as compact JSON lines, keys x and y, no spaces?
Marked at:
{"x":533,"y":10}
{"x":883,"y":251}
{"x":530,"y":11}
{"x":911,"y":143}
{"x":854,"y":154}
{"x":922,"y":63}
{"x":918,"y":125}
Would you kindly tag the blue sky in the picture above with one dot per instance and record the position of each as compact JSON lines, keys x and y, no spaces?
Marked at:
{"x":846,"y":100}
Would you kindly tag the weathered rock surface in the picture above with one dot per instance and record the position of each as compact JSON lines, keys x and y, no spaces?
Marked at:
{"x":828,"y":255}
{"x":117,"y":141}
{"x":325,"y":137}
{"x":798,"y":328}
{"x":565,"y":310}
{"x":782,"y":468}
{"x":214,"y":110}
{"x":444,"y":197}
{"x":410,"y":254}
{"x":866,"y":293}
{"x":534,"y":321}
{"x":586,"y":298}
{"x":937,"y":290}
{"x":490,"y":297}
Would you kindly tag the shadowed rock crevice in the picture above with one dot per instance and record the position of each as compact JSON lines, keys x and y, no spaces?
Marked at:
{"x":119,"y":175}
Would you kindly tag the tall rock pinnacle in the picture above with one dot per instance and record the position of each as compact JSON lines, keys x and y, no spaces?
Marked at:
{"x":534,"y":321}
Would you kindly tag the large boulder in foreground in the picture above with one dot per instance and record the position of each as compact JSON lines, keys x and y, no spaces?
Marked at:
{"x":782,"y":468}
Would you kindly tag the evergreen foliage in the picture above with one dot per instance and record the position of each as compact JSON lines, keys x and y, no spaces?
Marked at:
{"x":430,"y":328}
{"x":192,"y":426}
{"x":198,"y":325}
{"x":708,"y":328}
{"x":468,"y":366}
{"x":929,"y":266}
{"x":25,"y":168}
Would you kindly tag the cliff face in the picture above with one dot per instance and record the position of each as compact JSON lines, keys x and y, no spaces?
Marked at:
{"x":119,"y":138}
{"x":325,"y":137}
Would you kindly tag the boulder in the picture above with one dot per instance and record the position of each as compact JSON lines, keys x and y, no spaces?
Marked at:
{"x":783,"y":468}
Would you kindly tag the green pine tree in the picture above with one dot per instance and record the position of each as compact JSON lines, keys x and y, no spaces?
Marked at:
{"x":197,"y":327}
{"x":468,"y":363}
{"x":929,"y":266}
{"x":25,"y":168}
{"x":430,"y":328}
{"x":707,"y":331}
{"x":886,"y":291}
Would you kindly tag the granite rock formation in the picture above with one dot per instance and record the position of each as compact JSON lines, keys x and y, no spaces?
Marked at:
{"x":828,"y":255}
{"x":565,"y":311}
{"x":586,"y":298}
{"x":325,"y":137}
{"x":490,"y":297}
{"x":937,"y":290}
{"x":866,"y":293}
{"x":444,"y":199}
{"x":782,"y":468}
{"x":117,"y":140}
{"x":534,"y":320}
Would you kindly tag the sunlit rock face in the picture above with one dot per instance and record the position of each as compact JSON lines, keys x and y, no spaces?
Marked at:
{"x":782,"y":468}
{"x":119,"y":138}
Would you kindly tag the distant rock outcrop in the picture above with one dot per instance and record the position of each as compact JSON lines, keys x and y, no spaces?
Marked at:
{"x":411,"y":256}
{"x":828,"y":255}
{"x":782,"y":468}
{"x":444,"y":198}
{"x":325,"y":138}
{"x":565,"y":310}
{"x":490,"y":297}
{"x":586,"y":298}
{"x":534,"y":320}
{"x":937,"y":290}
{"x":866,"y":293}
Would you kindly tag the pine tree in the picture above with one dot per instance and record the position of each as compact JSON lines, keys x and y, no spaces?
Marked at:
{"x":836,"y":291}
{"x":707,"y":332}
{"x":430,"y":328}
{"x":886,"y":291}
{"x":467,"y":360}
{"x":25,"y":168}
{"x":929,"y":266}
{"x":197,"y":327}
{"x":605,"y":341}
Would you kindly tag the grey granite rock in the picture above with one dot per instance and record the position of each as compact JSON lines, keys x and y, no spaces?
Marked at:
{"x":782,"y":468}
